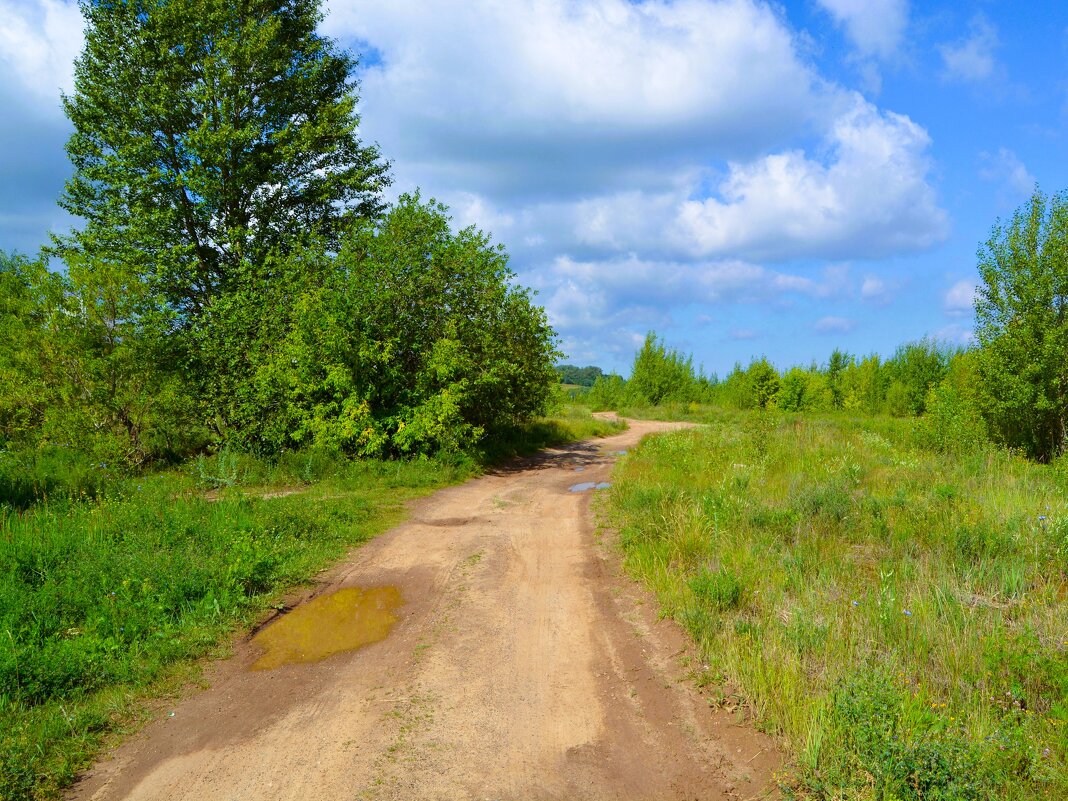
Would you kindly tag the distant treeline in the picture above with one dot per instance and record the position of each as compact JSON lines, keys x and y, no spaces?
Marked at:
{"x":944,"y":383}
{"x":1010,"y":387}
{"x":899,"y":386}
{"x":578,"y":376}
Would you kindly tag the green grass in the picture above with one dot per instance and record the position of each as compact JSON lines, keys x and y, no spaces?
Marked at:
{"x":898,"y":617}
{"x":112,"y":588}
{"x":567,"y":423}
{"x":102,"y":601}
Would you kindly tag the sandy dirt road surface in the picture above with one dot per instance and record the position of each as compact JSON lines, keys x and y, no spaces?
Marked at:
{"x":524,"y":666}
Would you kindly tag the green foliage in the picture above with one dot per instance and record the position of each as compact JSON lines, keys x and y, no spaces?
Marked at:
{"x":864,"y":385}
{"x":579,"y":376}
{"x":906,"y":748}
{"x":608,"y":392}
{"x":764,"y":381}
{"x":107,"y":351}
{"x":794,"y":394}
{"x":84,"y":365}
{"x":890,"y":610}
{"x":207,"y":136}
{"x":718,"y":589}
{"x":836,"y":366}
{"x":26,"y":292}
{"x":411,"y":339}
{"x":50,"y":472}
{"x":1022,"y":327}
{"x":660,"y":374}
{"x":911,"y":373}
{"x":736,"y":391}
{"x":954,"y":421}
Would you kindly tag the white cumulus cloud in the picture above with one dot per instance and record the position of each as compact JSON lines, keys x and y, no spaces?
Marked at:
{"x":870,"y":198}
{"x":1005,"y":168}
{"x":960,"y":299}
{"x":39,"y":40}
{"x":834,"y":325}
{"x":744,"y":334}
{"x":530,"y":97}
{"x":875,"y":27}
{"x":873,"y":289}
{"x":590,"y":294}
{"x":971,"y":59}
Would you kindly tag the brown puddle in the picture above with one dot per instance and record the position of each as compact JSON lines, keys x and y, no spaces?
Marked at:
{"x":341,"y":621}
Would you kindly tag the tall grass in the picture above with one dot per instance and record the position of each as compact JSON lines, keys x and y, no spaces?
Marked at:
{"x":898,"y":616}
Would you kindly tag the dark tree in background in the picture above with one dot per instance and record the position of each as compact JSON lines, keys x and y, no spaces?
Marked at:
{"x":579,"y":376}
{"x":209,"y":134}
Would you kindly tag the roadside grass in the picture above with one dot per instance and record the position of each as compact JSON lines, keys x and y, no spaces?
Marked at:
{"x":102,"y":601}
{"x":899,"y":617}
{"x":111,"y":588}
{"x":566,"y":423}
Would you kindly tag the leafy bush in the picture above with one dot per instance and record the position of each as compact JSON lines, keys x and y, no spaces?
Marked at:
{"x":410,"y":340}
{"x":1022,"y":330}
{"x":609,"y":392}
{"x":661,"y":374}
{"x":953,"y":423}
{"x":908,"y":750}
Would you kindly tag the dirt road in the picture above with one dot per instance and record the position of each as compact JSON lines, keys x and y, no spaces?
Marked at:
{"x":523,"y":666}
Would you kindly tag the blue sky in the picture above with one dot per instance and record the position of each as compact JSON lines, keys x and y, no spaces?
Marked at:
{"x":746,"y":178}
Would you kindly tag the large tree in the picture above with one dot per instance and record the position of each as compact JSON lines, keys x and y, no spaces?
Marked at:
{"x":207,"y":135}
{"x":1022,"y":326}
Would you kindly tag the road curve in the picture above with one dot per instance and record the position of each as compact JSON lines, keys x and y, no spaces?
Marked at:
{"x":524,"y":666}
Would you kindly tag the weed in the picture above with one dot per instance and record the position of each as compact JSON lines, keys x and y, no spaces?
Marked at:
{"x":893,"y":609}
{"x":719,"y":589}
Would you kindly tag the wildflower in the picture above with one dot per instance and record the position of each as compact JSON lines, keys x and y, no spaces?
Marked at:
{"x":856,"y":603}
{"x":906,"y":612}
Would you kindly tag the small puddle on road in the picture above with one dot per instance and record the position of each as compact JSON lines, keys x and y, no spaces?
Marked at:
{"x":588,"y":485}
{"x":341,"y":621}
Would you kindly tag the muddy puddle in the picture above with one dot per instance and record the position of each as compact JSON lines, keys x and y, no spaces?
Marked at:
{"x":589,"y":485}
{"x":341,"y":621}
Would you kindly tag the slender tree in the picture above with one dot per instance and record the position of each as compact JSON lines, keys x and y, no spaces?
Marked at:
{"x":207,"y":135}
{"x":1021,"y":312}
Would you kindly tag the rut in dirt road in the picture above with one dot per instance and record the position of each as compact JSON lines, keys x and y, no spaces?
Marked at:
{"x":522,"y":665}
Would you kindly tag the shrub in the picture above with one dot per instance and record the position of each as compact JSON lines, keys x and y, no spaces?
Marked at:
{"x":953,"y":422}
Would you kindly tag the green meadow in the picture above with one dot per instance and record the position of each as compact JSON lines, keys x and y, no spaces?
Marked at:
{"x":897,"y":615}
